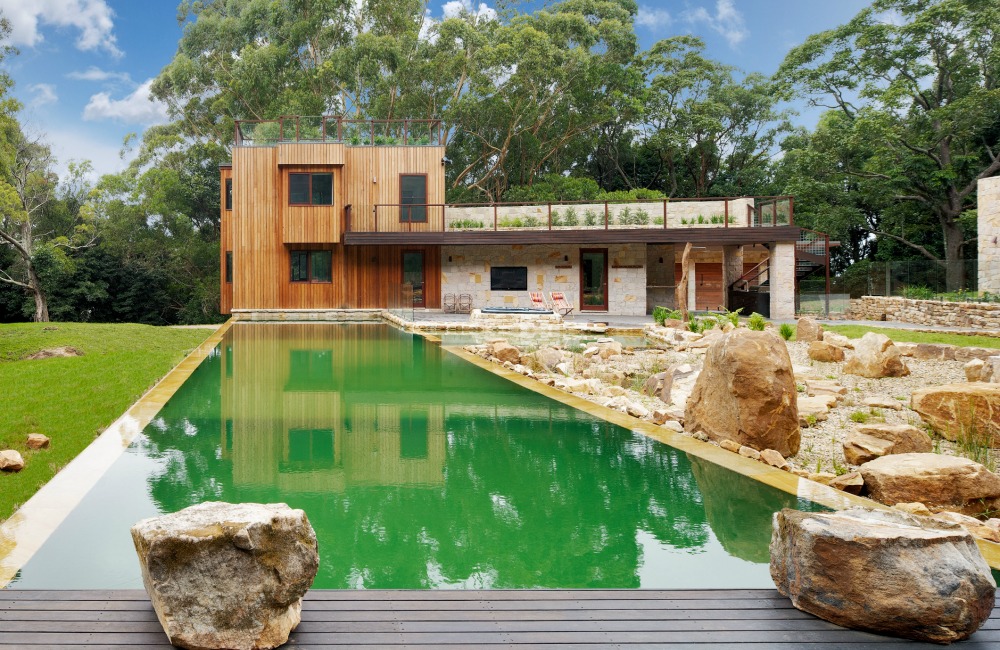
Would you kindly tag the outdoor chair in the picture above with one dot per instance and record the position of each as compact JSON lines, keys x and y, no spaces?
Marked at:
{"x":464,"y":303}
{"x":448,"y":304}
{"x":537,"y":300}
{"x":559,"y":303}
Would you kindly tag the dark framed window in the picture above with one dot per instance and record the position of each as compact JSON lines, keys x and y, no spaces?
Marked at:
{"x":509,"y":278}
{"x":229,"y":266}
{"x":311,"y":266}
{"x":309,"y":449}
{"x":229,"y":194}
{"x":310,"y":189}
{"x":412,"y":197}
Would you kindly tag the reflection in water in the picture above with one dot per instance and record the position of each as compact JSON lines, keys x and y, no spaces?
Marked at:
{"x":419,"y":470}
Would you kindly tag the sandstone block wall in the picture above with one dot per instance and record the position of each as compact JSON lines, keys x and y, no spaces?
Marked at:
{"x":989,"y":234}
{"x":782,"y":280}
{"x":926,"y":312}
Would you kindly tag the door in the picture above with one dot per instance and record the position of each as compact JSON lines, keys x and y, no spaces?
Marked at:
{"x":593,"y":279}
{"x":413,"y":274}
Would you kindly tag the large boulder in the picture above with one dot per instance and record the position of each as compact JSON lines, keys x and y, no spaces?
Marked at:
{"x":806,"y":330}
{"x":967,"y":411}
{"x":905,"y":438}
{"x":746,"y":392}
{"x":839,"y":340}
{"x":946,"y":482}
{"x":886,"y":572}
{"x":548,"y":358}
{"x":827,"y":352}
{"x":504,"y":351}
{"x":224,"y":575}
{"x":874,"y":357}
{"x":860,"y":448}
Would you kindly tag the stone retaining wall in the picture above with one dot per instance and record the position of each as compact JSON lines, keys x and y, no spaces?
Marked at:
{"x":926,"y":312}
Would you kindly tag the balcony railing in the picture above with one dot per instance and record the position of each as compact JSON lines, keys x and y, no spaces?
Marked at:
{"x":705,"y":212}
{"x":336,"y":129}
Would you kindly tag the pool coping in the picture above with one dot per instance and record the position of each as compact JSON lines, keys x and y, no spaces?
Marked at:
{"x":25,"y":531}
{"x":756,"y":470}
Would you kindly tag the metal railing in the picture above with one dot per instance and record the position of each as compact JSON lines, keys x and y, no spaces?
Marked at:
{"x":700,"y":212}
{"x":337,"y":129}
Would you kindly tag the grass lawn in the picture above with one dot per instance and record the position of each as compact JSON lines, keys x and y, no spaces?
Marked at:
{"x":72,"y":400}
{"x":911,"y":336}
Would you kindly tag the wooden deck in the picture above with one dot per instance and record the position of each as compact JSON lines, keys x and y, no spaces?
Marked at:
{"x":553,"y":620}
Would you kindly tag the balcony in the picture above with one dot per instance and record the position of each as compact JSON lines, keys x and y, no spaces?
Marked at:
{"x":729,"y":220}
{"x":338,"y":130}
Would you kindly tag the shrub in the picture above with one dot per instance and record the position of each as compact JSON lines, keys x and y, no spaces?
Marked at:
{"x":859,"y":416}
{"x":757,"y":322}
{"x":918,"y":292}
{"x":641,"y":217}
{"x":701,"y":219}
{"x":734,"y":316}
{"x":625,"y":217}
{"x":570,"y":218}
{"x":555,"y":218}
{"x":590,"y":218}
{"x":694,"y":325}
{"x":519,"y":222}
{"x":787,"y":331}
{"x":466,"y":223}
{"x":659,"y":314}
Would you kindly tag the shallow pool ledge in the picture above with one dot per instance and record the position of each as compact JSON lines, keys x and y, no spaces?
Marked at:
{"x":27,"y":529}
{"x":780,"y":479}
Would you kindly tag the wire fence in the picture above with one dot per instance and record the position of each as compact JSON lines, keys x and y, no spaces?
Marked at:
{"x":919,"y":279}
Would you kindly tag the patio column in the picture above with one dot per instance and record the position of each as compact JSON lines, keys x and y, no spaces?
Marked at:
{"x":692,"y":286}
{"x":732,"y":270}
{"x":781,"y":272}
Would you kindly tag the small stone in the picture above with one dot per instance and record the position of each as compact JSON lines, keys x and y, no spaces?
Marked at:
{"x":698,"y":435}
{"x":875,"y":357}
{"x":774,"y":459}
{"x":825,"y":352}
{"x":730,"y":445}
{"x":565,"y":368}
{"x":906,"y":439}
{"x":37,"y":441}
{"x":974,"y":370}
{"x":807,"y":330}
{"x":802,"y":473}
{"x":506,"y":352}
{"x":615,"y":391}
{"x":637,"y":410}
{"x":822,"y":477}
{"x":11,"y":461}
{"x":884,"y":403}
{"x":749,"y":452}
{"x":852,"y":482}
{"x":914,"y":508}
{"x":839,"y":340}
{"x":859,"y":448}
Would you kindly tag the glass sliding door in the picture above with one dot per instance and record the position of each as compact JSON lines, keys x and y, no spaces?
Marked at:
{"x":413,"y":274}
{"x":593,"y":279}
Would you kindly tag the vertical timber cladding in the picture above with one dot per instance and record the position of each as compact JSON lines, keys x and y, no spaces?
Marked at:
{"x":374,"y":271}
{"x":225,"y":241}
{"x":371,"y":176}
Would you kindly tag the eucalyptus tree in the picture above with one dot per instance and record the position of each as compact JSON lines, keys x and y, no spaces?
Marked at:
{"x":917,"y":82}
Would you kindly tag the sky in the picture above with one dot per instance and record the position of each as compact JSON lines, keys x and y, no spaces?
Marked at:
{"x":85,"y":66}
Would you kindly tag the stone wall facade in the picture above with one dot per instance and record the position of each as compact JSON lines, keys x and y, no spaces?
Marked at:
{"x":926,"y":312}
{"x":781,"y":270}
{"x":466,"y":269}
{"x":988,"y":195}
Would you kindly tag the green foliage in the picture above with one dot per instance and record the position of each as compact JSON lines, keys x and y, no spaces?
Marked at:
{"x":465,"y":224}
{"x":911,"y":336}
{"x":590,"y":218}
{"x":519,"y":222}
{"x":787,"y":331}
{"x":661,"y":314}
{"x":918,"y":292}
{"x":552,"y":188}
{"x":570,"y":217}
{"x":859,"y":416}
{"x":734,"y":316}
{"x":756,"y":322}
{"x":59,"y":398}
{"x":695,"y":325}
{"x":636,"y":194}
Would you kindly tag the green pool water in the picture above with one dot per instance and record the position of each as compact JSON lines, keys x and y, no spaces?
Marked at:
{"x":417,"y":470}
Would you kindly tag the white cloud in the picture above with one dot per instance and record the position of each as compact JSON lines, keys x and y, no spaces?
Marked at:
{"x":136,"y":108}
{"x":92,"y":18}
{"x":652,"y":18}
{"x":727,"y":21}
{"x":455,"y":8}
{"x":43,"y":94}
{"x":94,"y":73}
{"x":76,"y":144}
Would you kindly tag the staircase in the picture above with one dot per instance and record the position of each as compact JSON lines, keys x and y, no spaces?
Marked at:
{"x":752,"y":291}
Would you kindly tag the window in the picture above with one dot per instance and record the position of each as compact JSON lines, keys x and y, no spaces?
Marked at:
{"x":229,"y":194}
{"x":312,"y":266}
{"x":509,"y":278}
{"x":310,"y":189}
{"x":229,"y":266}
{"x":413,"y":191}
{"x":309,"y":449}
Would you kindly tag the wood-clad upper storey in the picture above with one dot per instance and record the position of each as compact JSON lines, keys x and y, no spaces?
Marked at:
{"x":307,"y":153}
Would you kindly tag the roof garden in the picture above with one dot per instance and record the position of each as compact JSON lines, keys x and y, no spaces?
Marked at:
{"x":337,"y":129}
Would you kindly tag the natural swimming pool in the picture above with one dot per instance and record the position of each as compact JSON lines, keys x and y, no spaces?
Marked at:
{"x":418,"y":470}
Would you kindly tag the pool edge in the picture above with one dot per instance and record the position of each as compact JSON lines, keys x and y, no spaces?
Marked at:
{"x":28,"y":528}
{"x":756,"y":470}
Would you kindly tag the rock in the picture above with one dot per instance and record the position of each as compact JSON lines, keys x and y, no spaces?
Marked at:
{"x":615,"y":391}
{"x":730,"y":445}
{"x":37,"y":441}
{"x":991,"y":370}
{"x":907,"y":349}
{"x":66,"y":351}
{"x":875,"y":357}
{"x":813,"y":409}
{"x":852,"y":483}
{"x":746,"y":392}
{"x":548,"y":358}
{"x":505,"y":352}
{"x":883,"y":403}
{"x":802,"y":473}
{"x":915,"y":508}
{"x":934,"y":352}
{"x":974,"y":370}
{"x":827,"y":352}
{"x":749,"y":452}
{"x":590,"y":352}
{"x":700,"y":436}
{"x":774,"y":459}
{"x":906,"y":439}
{"x":815,"y":387}
{"x":566,"y":368}
{"x":886,"y":572}
{"x":944,"y":481}
{"x":226,"y":575}
{"x":674,"y":425}
{"x":660,"y":417}
{"x":839,"y":340}
{"x":11,"y":461}
{"x":971,"y":524}
{"x":860,"y":448}
{"x":673,"y":385}
{"x":608,"y":348}
{"x":636,"y":410}
{"x":964,"y":354}
{"x":822,"y":477}
{"x":961,"y":411}
{"x":807,"y":330}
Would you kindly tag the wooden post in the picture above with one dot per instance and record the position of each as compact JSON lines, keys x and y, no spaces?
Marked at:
{"x":605,"y":215}
{"x":725,"y":202}
{"x":550,"y":216}
{"x":681,"y":290}
{"x":664,"y":214}
{"x":494,"y":217}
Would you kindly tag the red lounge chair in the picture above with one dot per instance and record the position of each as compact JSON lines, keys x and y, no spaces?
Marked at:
{"x":537,"y":300}
{"x":559,"y":303}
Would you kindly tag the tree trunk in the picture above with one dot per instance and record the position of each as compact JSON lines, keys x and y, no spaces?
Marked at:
{"x":681,"y":291}
{"x":954,"y":240}
{"x":41,"y":303}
